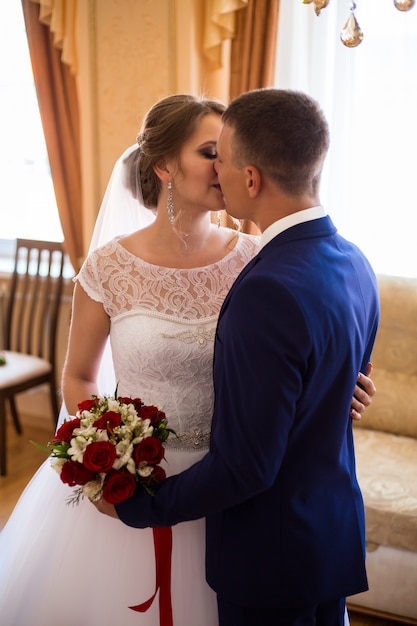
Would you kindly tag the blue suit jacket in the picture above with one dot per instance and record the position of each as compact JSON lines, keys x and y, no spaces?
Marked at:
{"x":284,"y":512}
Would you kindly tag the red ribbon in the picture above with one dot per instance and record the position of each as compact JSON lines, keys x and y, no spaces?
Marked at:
{"x":162,"y":541}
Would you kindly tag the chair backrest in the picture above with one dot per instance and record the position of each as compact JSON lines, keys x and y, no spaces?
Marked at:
{"x":34,"y":298}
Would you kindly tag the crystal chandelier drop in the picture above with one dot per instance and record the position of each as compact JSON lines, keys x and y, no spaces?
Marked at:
{"x":351,"y":34}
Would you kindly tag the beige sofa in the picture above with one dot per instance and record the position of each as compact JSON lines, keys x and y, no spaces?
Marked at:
{"x":386,"y":457}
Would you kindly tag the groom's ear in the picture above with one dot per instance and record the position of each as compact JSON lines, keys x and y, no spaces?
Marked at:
{"x":253,"y":180}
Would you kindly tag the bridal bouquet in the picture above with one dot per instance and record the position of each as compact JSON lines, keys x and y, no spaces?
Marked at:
{"x":109,"y":447}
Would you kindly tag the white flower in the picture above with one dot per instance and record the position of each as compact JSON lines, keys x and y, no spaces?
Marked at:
{"x":146,"y":430}
{"x":57,"y":463}
{"x":101,"y":435}
{"x":125,"y":432}
{"x":145,"y":470}
{"x":113,"y":405}
{"x":124,"y":451}
{"x":77,"y":448}
{"x":88,"y":431}
{"x":93,"y":488}
{"x":86,"y":417}
{"x":131,"y":466}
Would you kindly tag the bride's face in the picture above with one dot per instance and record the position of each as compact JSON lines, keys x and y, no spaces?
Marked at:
{"x":195,"y":185}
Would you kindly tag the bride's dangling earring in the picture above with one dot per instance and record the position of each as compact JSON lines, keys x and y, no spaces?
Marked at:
{"x":219,"y":221}
{"x":170,"y":204}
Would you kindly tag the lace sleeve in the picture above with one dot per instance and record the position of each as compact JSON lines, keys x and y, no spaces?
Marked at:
{"x":89,"y":280}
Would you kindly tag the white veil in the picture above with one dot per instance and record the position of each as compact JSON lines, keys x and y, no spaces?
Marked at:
{"x":120,"y":213}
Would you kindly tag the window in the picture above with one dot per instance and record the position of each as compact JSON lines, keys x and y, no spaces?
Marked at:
{"x":28,"y":206}
{"x":369,"y":96}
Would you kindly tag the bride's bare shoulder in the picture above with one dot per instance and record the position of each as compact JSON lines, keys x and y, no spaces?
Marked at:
{"x":136,"y":241}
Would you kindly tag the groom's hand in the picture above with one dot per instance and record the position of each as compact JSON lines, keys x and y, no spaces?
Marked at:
{"x":104,"y":507}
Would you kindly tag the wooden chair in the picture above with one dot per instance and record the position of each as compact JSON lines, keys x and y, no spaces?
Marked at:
{"x":30,"y":330}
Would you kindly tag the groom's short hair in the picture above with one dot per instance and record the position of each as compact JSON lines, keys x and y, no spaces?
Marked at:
{"x":284,"y":133}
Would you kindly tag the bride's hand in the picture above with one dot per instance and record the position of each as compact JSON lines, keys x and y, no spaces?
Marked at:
{"x":106,"y":508}
{"x":363,"y":394}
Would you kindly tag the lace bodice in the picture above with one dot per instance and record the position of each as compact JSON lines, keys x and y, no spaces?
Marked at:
{"x":163,"y":323}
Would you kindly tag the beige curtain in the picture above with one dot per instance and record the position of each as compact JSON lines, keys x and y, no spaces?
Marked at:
{"x":61,"y":17}
{"x":219,"y":26}
{"x":254,"y":47}
{"x":252,"y":27}
{"x":58,"y":105}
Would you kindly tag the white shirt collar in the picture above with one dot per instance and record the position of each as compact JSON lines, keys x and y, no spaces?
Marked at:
{"x":299,"y":217}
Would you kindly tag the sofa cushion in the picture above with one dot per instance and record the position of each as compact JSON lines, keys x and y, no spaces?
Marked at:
{"x":387,"y":471}
{"x":394,"y":408}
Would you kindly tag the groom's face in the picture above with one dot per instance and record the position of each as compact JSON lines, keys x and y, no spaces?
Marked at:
{"x":231,"y":178}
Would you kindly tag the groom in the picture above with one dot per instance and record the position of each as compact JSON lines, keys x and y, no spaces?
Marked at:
{"x":285,"y":517}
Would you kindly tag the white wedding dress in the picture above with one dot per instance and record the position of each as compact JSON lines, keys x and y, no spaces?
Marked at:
{"x":73,"y":566}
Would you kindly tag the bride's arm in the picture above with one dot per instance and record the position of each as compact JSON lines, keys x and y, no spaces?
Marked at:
{"x":89,"y":330}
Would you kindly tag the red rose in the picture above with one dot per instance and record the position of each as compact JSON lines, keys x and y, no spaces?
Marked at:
{"x":74,"y":473}
{"x":65,"y":431}
{"x":108,"y":421}
{"x":158,"y":474}
{"x":149,"y":450}
{"x":87,"y":405}
{"x":118,"y":486}
{"x":137,"y":402}
{"x":99,"y":456}
{"x":151,"y":413}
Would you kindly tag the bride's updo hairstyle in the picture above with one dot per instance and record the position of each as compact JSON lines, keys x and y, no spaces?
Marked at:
{"x":165,"y":129}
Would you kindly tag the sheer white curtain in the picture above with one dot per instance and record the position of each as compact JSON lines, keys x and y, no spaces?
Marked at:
{"x":369,"y":95}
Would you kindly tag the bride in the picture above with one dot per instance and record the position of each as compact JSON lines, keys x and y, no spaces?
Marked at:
{"x":156,"y":292}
